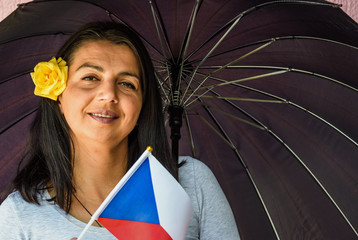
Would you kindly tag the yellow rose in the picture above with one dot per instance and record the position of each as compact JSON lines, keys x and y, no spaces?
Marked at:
{"x":50,"y":78}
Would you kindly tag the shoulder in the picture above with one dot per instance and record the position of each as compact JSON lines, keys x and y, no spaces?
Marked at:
{"x":22,"y":220}
{"x":19,"y":210}
{"x":14,"y":199}
{"x":12,"y":206}
{"x":15,"y":205}
{"x":15,"y":214}
{"x":192,"y":167}
{"x":195,"y":173}
{"x":212,"y":215}
{"x":198,"y":180}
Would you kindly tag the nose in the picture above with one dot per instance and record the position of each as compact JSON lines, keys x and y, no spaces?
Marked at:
{"x":107,"y":92}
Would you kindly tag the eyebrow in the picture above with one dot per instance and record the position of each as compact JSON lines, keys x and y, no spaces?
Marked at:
{"x":88,"y":65}
{"x":100,"y":69}
{"x":128,"y":74}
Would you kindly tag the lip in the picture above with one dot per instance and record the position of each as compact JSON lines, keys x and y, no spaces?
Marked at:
{"x":104,"y":116}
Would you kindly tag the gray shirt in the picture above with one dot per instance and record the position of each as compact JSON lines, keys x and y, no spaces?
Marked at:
{"x":212,"y":216}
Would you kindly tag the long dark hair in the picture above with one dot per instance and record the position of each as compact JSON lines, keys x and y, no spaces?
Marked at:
{"x":49,"y":158}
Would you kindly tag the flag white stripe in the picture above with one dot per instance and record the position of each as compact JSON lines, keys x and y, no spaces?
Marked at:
{"x":173,"y":203}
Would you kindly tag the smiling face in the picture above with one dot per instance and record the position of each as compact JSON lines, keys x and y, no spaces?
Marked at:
{"x":103,"y":98}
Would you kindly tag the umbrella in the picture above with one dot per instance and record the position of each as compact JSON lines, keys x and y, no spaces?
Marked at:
{"x":262,"y":91}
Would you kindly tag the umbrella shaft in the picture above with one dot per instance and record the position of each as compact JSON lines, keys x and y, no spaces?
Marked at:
{"x":175,"y":123}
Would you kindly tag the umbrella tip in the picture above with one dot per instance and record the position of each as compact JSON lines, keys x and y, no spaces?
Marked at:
{"x":337,"y":5}
{"x":149,"y":148}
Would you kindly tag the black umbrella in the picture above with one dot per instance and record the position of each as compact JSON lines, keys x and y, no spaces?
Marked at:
{"x":265,"y":91}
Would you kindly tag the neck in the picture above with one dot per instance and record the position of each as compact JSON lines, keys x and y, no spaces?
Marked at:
{"x":98,"y":168}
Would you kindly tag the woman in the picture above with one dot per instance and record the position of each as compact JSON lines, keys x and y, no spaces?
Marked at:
{"x":88,"y":131}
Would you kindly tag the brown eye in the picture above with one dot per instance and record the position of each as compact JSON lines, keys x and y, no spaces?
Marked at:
{"x":90,"y":78}
{"x":127,"y":85}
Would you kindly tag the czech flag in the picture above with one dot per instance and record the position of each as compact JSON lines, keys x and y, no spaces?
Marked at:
{"x":147,"y":204}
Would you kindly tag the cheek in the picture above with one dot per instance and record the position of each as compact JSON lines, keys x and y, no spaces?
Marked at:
{"x":69,"y":104}
{"x":74,"y":96}
{"x":135,"y":107}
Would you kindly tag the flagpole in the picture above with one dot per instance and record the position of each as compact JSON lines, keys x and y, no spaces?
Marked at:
{"x":86,"y":228}
{"x":119,"y":185}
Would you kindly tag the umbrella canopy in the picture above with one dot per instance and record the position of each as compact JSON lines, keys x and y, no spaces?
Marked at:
{"x":264,"y":92}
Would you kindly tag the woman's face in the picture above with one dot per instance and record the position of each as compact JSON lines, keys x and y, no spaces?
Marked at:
{"x":103,"y":97}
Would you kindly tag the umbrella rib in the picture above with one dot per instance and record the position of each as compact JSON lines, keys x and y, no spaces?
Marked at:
{"x":155,"y":16}
{"x":225,"y":26}
{"x":316,"y":38}
{"x":190,"y":135}
{"x":221,"y":68}
{"x":214,"y":35}
{"x":209,"y":53}
{"x":324,"y":77}
{"x":285,"y":144}
{"x":280,"y":39}
{"x":299,"y":160}
{"x":109,"y":13}
{"x":239,"y":99}
{"x":15,"y":76}
{"x":37,"y":35}
{"x":17,"y":120}
{"x":308,"y":2}
{"x":242,"y":14}
{"x":158,"y":26}
{"x":317,"y":181}
{"x":161,"y":83}
{"x":235,"y":117}
{"x":227,"y":139}
{"x":234,"y":81}
{"x":187,"y":40}
{"x":283,"y":69}
{"x":282,"y":100}
{"x":189,"y":30}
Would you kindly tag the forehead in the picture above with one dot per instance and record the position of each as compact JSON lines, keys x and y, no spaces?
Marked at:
{"x":102,"y":47}
{"x":97,"y":45}
{"x":106,"y":53}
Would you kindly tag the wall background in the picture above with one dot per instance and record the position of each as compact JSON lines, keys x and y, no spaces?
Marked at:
{"x":349,"y":6}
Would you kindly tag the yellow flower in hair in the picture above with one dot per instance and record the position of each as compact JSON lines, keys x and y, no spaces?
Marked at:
{"x":50,"y":78}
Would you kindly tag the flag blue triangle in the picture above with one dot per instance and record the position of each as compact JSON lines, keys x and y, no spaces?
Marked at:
{"x":135,"y":201}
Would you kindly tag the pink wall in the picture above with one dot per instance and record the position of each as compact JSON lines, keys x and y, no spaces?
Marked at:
{"x":349,"y":6}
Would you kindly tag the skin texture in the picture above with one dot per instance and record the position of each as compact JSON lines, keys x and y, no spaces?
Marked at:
{"x":103,"y":79}
{"x":101,"y":104}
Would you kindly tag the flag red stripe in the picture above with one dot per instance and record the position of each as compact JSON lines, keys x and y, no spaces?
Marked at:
{"x":133,"y":230}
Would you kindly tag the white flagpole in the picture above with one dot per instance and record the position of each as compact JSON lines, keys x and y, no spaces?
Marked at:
{"x":115,"y":190}
{"x":86,"y":228}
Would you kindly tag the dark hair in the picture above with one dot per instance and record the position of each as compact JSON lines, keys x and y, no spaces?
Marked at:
{"x":49,"y":159}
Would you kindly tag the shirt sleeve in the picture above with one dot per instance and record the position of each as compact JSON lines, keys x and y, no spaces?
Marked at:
{"x":10,"y":226}
{"x":216,"y":218}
